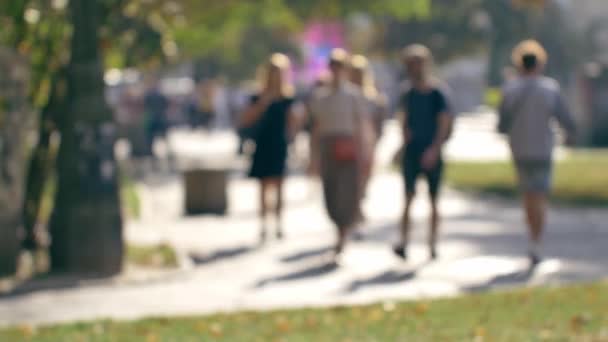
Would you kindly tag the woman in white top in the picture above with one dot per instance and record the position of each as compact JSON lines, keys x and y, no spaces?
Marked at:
{"x":339,"y":111}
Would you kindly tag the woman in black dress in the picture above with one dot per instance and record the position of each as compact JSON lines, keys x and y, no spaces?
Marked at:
{"x":271,"y":115}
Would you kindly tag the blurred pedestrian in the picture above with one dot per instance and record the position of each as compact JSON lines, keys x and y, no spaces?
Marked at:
{"x":201,"y":111}
{"x":530,"y":103}
{"x":427,"y":125}
{"x":361,"y":75}
{"x":339,"y":111}
{"x":275,"y":117}
{"x":156,"y":105}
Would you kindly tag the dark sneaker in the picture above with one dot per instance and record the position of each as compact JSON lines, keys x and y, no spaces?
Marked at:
{"x":400,"y":251}
{"x":433,"y":254}
{"x":535,"y":259}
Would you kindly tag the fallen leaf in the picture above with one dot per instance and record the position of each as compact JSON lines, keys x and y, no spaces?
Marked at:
{"x":283,"y":324}
{"x":312,"y":322}
{"x":578,"y":322}
{"x":152,"y":338}
{"x":216,"y":330}
{"x":388,"y":306}
{"x":421,"y":308}
{"x":200,"y":327}
{"x":27,"y":330}
{"x":545,"y":335}
{"x":480,"y":332}
{"x":376,"y":315}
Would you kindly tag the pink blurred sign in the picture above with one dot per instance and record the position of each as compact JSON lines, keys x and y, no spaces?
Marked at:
{"x":318,"y":40}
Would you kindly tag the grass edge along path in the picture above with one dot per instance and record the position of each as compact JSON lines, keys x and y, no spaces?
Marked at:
{"x":572,"y":313}
{"x":580,"y":179}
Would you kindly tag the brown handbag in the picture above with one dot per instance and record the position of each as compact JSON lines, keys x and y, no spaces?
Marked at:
{"x":345,"y":149}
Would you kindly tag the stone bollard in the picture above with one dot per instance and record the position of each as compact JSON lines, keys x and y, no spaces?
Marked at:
{"x":205,"y":190}
{"x":16,"y":128}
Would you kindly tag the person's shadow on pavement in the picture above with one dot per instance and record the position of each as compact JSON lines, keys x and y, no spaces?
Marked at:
{"x":517,"y":278}
{"x":222,"y":254}
{"x":309,"y":272}
{"x":389,"y":277}
{"x":385,"y":278}
{"x":306,"y":254}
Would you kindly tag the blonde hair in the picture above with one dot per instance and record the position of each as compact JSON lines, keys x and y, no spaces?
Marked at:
{"x":281,"y":63}
{"x":527,"y":48}
{"x":338,"y":55}
{"x":359,"y":63}
{"x":418,"y":51}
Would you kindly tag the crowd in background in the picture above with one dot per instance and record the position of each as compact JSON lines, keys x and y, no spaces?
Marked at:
{"x":344,"y":114}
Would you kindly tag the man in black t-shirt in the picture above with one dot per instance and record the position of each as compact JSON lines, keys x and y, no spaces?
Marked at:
{"x":427,"y":125}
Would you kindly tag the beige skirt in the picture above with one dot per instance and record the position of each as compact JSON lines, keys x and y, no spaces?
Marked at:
{"x":341,"y":185}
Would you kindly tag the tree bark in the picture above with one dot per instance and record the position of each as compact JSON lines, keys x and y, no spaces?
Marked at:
{"x":86,"y":225}
{"x":42,"y":163}
{"x":15,"y":126}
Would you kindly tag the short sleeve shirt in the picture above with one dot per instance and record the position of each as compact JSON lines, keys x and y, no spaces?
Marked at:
{"x":423,"y":109}
{"x":531,"y":103}
{"x":338,"y":111}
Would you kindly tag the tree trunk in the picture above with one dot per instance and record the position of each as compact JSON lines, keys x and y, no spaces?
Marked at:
{"x":15,"y":126}
{"x":86,"y":225}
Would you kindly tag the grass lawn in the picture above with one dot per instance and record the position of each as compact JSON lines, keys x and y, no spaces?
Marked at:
{"x":158,"y":256}
{"x":581,"y":179}
{"x":129,"y":197}
{"x":578,"y":313}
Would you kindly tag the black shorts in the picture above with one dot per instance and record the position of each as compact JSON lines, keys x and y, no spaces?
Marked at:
{"x":412,"y":169}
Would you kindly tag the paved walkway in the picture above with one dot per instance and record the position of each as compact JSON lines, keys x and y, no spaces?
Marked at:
{"x":483,"y":245}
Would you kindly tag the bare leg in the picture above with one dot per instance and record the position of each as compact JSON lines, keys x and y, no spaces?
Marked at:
{"x":535,"y":205}
{"x":343,"y":233}
{"x":401,"y":248}
{"x":279,"y":206}
{"x":263,"y":208}
{"x":434,"y":227}
{"x":405,"y":220}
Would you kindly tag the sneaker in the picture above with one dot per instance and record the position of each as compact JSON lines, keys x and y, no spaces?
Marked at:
{"x":535,"y":259}
{"x":400,"y":251}
{"x":433,"y":253}
{"x":279,"y":234}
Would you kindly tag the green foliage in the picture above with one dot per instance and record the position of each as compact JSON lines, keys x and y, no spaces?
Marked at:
{"x":234,"y":37}
{"x":576,"y":313}
{"x":129,"y":196}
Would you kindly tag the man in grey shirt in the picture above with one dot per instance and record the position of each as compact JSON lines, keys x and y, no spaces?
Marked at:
{"x":530,"y":104}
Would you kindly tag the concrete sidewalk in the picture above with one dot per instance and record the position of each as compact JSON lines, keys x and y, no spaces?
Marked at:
{"x":483,"y":246}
